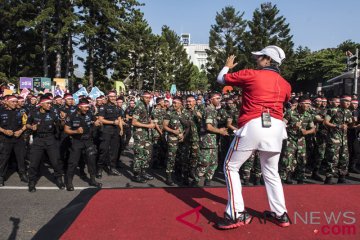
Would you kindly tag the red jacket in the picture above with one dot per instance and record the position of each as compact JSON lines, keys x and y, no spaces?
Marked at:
{"x":262,"y":90}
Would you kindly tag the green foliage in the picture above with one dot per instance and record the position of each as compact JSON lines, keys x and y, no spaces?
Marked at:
{"x":226,"y":38}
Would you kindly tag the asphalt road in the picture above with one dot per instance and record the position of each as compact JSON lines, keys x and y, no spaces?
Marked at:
{"x":22,"y":214}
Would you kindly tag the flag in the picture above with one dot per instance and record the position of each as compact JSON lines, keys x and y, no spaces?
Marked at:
{"x":81,"y":91}
{"x":95,"y":92}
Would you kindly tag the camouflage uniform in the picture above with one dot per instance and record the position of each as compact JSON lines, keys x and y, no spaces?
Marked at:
{"x":252,"y":164}
{"x":337,"y":153}
{"x":294,"y":159}
{"x":176,"y":149}
{"x":310,"y":142}
{"x":193,"y":139}
{"x":142,"y":139}
{"x":159,"y":150}
{"x":208,"y":160}
{"x":222,"y":140}
{"x":320,"y":140}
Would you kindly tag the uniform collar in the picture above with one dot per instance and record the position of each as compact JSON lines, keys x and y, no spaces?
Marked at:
{"x":271,"y":68}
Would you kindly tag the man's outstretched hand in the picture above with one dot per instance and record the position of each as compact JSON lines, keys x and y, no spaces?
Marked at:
{"x":230,"y":62}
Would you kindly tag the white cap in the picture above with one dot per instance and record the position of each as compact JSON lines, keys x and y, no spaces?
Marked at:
{"x":276,"y":53}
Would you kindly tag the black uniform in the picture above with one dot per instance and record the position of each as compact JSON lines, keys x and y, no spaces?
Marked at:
{"x":11,"y":120}
{"x":44,"y":141}
{"x":128,"y":127}
{"x":64,"y":138}
{"x":81,"y":143}
{"x":110,"y":138}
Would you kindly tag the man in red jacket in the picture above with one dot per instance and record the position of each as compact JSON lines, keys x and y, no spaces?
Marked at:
{"x":261,"y":128}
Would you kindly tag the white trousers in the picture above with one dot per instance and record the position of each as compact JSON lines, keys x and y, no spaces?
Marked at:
{"x":269,"y":168}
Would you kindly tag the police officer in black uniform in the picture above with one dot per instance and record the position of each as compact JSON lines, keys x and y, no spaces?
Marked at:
{"x":11,"y":129}
{"x":64,"y":139}
{"x":43,"y":123}
{"x":79,"y":126}
{"x":110,"y":117}
{"x":128,"y":119}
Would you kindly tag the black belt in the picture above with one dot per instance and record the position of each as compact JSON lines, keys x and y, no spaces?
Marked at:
{"x":43,"y":135}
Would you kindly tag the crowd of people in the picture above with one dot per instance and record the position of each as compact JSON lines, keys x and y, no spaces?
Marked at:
{"x":187,"y":134}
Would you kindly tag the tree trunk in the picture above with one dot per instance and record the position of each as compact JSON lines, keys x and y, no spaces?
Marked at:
{"x":68,"y":55}
{"x":58,"y":41}
{"x":91,"y":64}
{"x":44,"y":46}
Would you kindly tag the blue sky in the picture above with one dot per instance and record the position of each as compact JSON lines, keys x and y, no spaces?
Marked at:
{"x":316,"y":24}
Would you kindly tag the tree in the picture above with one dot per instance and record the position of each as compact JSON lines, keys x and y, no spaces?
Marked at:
{"x":317,"y":67}
{"x":226,"y":38}
{"x":267,"y":27}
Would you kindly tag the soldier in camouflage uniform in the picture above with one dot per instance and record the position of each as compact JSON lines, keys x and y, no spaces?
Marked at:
{"x":222,"y":140}
{"x":337,"y":154}
{"x":353,"y":138}
{"x":208,"y":155}
{"x":143,"y":126}
{"x":320,"y":139}
{"x":193,"y":116}
{"x":231,"y":122}
{"x":157,"y":115}
{"x":299,"y":124}
{"x":176,"y":127}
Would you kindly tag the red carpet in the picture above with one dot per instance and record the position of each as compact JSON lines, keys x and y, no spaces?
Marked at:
{"x":154,"y":214}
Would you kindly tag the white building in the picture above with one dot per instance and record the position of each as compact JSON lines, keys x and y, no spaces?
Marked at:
{"x":196,"y":52}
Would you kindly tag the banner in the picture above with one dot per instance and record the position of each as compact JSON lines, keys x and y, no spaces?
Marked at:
{"x":173,"y":89}
{"x":26,"y":82}
{"x":37,"y":84}
{"x":95,"y":92}
{"x":25,"y":92}
{"x":46,"y":83}
{"x":62,"y":83}
{"x":8,"y":92}
{"x":119,"y":87}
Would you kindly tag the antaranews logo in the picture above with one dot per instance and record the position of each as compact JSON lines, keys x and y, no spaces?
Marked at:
{"x":328,"y":223}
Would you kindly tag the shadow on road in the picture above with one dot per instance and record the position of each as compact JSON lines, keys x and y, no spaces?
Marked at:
{"x":66,"y":216}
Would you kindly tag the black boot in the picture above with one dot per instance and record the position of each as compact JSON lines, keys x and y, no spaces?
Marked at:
{"x":94,"y":183}
{"x":257,"y":181}
{"x":99,"y":173}
{"x":186,"y":181}
{"x":169,"y":181}
{"x":316,"y":176}
{"x":69,"y":184}
{"x":146,"y":175}
{"x":2,"y":182}
{"x":342,"y":180}
{"x":246,"y":182}
{"x":60,"y":183}
{"x":353,"y":169}
{"x":207,"y":183}
{"x":289,"y":179}
{"x":329,"y":181}
{"x":82,"y":174}
{"x":32,"y":186}
{"x":23,"y":177}
{"x":138,"y":178}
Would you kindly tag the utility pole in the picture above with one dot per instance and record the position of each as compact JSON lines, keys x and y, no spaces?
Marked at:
{"x":356,"y":74}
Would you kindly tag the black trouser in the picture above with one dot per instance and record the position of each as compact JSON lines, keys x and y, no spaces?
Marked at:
{"x":6,"y":147}
{"x":128,"y":131}
{"x":356,"y":149}
{"x":65,"y":144}
{"x":77,"y":148}
{"x":109,"y":147}
{"x":39,"y":146}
